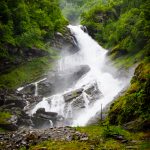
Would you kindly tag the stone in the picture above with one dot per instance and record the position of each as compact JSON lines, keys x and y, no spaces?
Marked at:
{"x":93,"y":92}
{"x":72,"y":95}
{"x":84,"y":139}
{"x":29,"y":89}
{"x":42,"y":119}
{"x":18,"y":103}
{"x":45,"y":88}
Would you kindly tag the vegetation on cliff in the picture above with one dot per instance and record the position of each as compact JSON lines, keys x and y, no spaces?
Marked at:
{"x":122,"y":27}
{"x":27,"y":29}
{"x":133,"y":107}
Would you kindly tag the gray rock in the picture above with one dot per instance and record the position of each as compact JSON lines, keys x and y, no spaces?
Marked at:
{"x":41,"y":119}
{"x":72,"y":95}
{"x":93,"y":92}
{"x":29,"y":89}
{"x":45,"y":88}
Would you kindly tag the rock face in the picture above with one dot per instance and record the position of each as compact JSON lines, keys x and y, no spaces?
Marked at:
{"x":56,"y":81}
{"x":91,"y":91}
{"x":45,"y":88}
{"x":13,"y":103}
{"x":81,"y":98}
{"x":65,"y":42}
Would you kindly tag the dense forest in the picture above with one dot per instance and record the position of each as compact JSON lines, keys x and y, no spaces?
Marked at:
{"x":30,"y":32}
{"x":122,"y":27}
{"x":27,"y":29}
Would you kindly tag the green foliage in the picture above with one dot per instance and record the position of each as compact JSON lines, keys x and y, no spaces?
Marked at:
{"x":57,"y":145}
{"x":122,"y":26}
{"x":29,"y":23}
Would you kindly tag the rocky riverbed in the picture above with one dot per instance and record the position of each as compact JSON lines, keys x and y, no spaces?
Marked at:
{"x":26,"y":137}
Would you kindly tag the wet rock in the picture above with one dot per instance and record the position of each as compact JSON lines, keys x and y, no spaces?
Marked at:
{"x":78,"y":103}
{"x":18,"y":103}
{"x":45,"y":88}
{"x":72,"y":95}
{"x":40,"y":123}
{"x":65,"y":42}
{"x":42,"y":119}
{"x":41,"y":111}
{"x":93,"y":92}
{"x":29,"y":89}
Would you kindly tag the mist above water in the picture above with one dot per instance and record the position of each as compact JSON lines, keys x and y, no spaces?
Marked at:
{"x":93,"y":55}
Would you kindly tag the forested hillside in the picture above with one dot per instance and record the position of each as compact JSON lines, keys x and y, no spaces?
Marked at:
{"x":27,"y":28}
{"x":123,"y":27}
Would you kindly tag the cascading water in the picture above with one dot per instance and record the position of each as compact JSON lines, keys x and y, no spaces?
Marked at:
{"x":104,"y":86}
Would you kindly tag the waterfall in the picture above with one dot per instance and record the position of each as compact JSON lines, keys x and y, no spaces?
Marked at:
{"x":95,"y":88}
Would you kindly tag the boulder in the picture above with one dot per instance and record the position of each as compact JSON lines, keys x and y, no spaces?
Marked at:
{"x":29,"y":89}
{"x":72,"y":95}
{"x":45,"y":88}
{"x":78,"y":103}
{"x":48,"y":115}
{"x":17,"y":103}
{"x":42,"y":119}
{"x":39,"y":122}
{"x":93,"y":92}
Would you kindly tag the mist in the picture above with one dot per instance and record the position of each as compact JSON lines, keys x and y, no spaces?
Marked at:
{"x":82,"y":82}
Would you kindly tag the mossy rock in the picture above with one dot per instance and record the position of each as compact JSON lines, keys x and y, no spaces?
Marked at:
{"x":134,"y":105}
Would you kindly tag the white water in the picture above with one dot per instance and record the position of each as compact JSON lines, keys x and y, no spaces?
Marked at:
{"x":94,"y":56}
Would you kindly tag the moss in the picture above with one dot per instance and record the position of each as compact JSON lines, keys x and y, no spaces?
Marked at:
{"x":4,"y":116}
{"x":25,"y":73}
{"x":134,"y":105}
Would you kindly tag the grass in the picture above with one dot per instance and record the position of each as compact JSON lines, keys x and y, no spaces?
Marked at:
{"x":25,"y":73}
{"x":100,"y":138}
{"x":62,"y":145}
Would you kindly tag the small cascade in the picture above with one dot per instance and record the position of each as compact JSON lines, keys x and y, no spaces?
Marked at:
{"x":51,"y":123}
{"x":86,"y":98}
